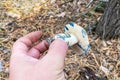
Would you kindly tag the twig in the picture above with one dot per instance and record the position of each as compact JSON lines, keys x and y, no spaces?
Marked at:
{"x":91,"y":1}
{"x":95,"y":59}
{"x":66,"y":2}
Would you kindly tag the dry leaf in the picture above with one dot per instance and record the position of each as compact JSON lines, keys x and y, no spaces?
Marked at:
{"x":61,"y":14}
{"x":104,"y":69}
{"x":118,"y":47}
{"x":13,"y":14}
{"x":108,"y":52}
{"x":109,"y":43}
{"x":104,"y":43}
{"x":53,"y":1}
{"x":24,"y":8}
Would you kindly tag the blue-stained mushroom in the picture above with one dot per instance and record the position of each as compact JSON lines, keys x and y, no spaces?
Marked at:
{"x":75,"y":36}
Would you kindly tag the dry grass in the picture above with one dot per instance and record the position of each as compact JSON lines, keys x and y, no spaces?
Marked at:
{"x":103,"y":60}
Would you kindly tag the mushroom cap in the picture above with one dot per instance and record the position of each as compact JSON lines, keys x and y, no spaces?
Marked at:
{"x":80,"y":34}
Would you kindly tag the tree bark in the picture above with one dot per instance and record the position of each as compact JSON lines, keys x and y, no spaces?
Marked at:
{"x":109,"y":24}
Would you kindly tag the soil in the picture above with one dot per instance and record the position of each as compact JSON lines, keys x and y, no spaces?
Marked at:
{"x":101,"y":63}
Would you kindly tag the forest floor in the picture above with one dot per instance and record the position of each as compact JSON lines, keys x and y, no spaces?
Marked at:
{"x":101,"y":63}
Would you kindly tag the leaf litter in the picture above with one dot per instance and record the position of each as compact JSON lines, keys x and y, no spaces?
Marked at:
{"x":50,"y":17}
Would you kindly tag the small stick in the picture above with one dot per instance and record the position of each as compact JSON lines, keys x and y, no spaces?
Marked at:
{"x":91,"y":1}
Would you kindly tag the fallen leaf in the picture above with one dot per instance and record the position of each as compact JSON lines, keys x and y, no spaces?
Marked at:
{"x":109,"y":43}
{"x":104,"y":69}
{"x":104,"y":43}
{"x":61,"y":14}
{"x":13,"y":14}
{"x":53,"y":1}
{"x":118,"y":47}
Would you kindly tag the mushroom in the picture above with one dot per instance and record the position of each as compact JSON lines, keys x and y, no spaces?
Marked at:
{"x":75,"y":36}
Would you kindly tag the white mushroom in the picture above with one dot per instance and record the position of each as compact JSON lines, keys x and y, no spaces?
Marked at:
{"x":75,"y":36}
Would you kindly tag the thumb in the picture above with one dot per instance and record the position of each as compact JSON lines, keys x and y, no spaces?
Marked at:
{"x":56,"y":54}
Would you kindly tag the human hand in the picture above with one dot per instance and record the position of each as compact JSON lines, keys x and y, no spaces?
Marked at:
{"x":28,"y":63}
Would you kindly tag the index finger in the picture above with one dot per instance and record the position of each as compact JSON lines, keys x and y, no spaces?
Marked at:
{"x":22,"y":45}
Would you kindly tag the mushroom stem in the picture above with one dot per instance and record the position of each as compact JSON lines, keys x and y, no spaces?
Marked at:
{"x":70,"y":39}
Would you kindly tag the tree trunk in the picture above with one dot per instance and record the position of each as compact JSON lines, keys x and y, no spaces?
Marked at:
{"x":109,"y":24}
